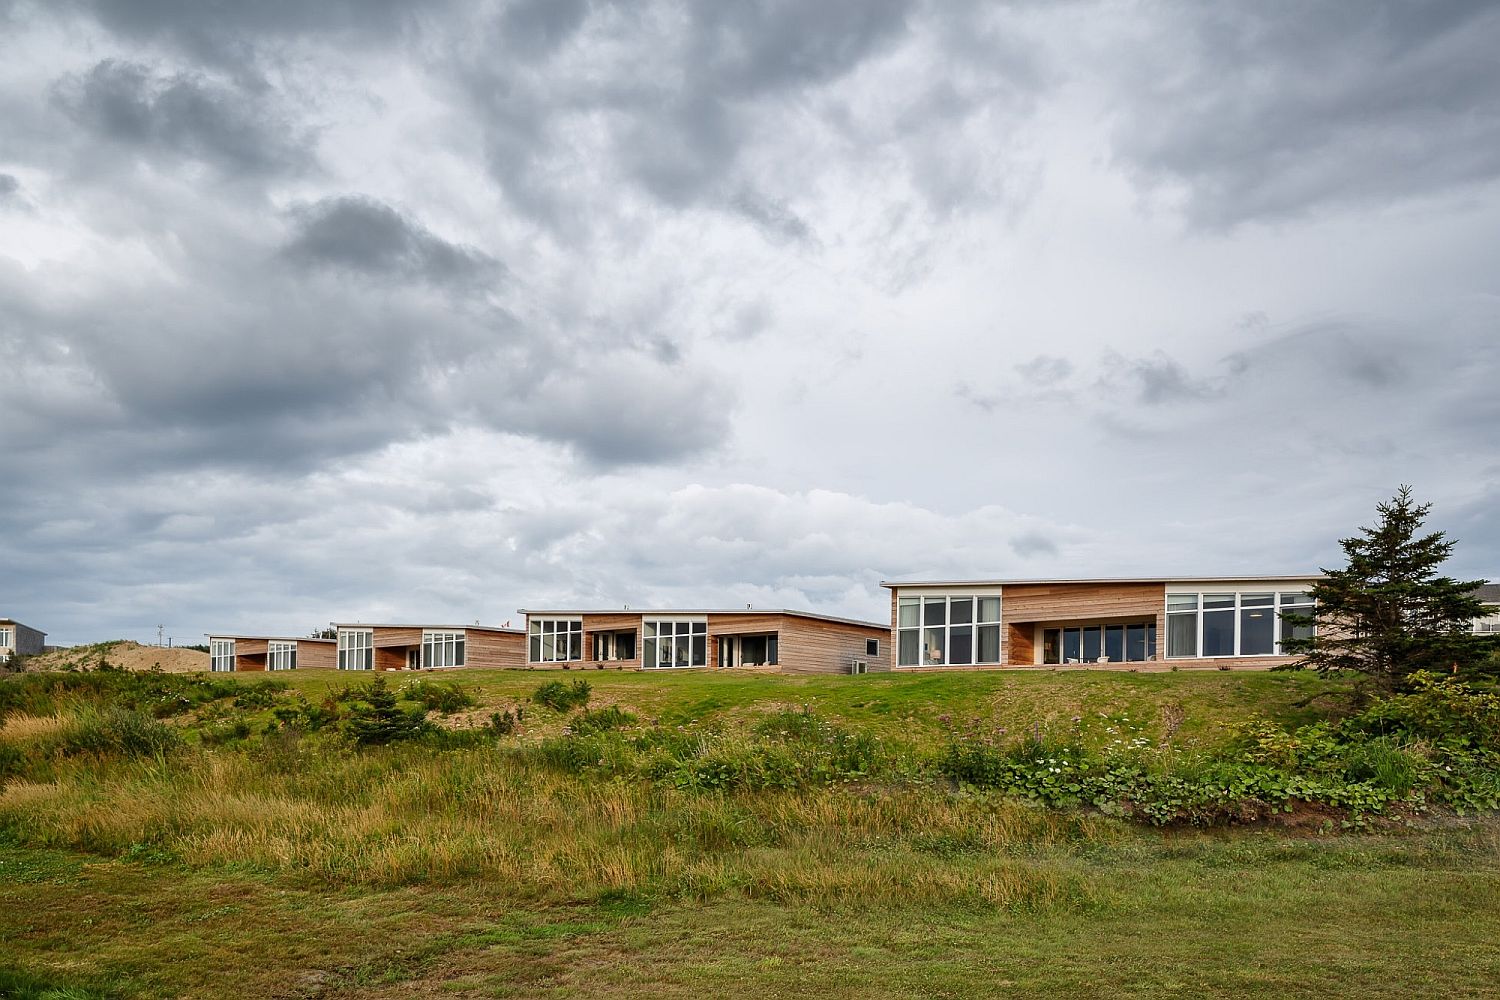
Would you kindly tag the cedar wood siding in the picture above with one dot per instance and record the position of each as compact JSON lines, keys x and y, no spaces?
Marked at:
{"x":806,"y":645}
{"x":1024,"y":605}
{"x":250,"y":655}
{"x":483,"y":648}
{"x":815,"y":646}
{"x":488,"y":650}
{"x":391,"y":645}
{"x":315,"y":655}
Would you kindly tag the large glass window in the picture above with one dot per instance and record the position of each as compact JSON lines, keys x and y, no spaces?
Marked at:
{"x":442,"y":649}
{"x":281,"y":656}
{"x":5,"y":638}
{"x":1234,"y":624}
{"x":614,"y":645}
{"x":1300,"y":605}
{"x":1257,"y":624}
{"x":1182,"y":625}
{"x":748,"y":650}
{"x":1128,"y":643}
{"x":356,"y":649}
{"x":556,"y":640}
{"x":1093,"y":644}
{"x":221,"y":654}
{"x":1218,"y":625}
{"x":675,"y":644}
{"x":1114,"y":643}
{"x":941,"y":629}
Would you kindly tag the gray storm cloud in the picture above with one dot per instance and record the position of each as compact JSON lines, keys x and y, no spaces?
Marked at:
{"x":445,"y":308}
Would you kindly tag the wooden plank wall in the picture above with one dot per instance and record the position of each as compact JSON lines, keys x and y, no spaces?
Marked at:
{"x":249,"y":655}
{"x":492,"y":650}
{"x":1019,"y":639}
{"x":814,"y":646}
{"x":315,"y":655}
{"x":1080,"y":601}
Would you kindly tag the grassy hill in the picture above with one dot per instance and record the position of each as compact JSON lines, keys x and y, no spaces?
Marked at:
{"x":786,"y":835}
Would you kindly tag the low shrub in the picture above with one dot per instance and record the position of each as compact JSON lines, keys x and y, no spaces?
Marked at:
{"x":444,"y":697}
{"x":504,"y":723}
{"x":563,"y":697}
{"x":118,"y":732}
{"x":1443,"y":710}
{"x":220,"y":733}
{"x":259,"y":693}
{"x":599,"y":720}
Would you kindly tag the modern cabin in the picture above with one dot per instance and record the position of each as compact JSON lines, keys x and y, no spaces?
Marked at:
{"x":798,"y":642}
{"x":247,"y":653}
{"x":1489,"y":623}
{"x":428,"y":647}
{"x":1141,"y":624}
{"x":19,"y":640}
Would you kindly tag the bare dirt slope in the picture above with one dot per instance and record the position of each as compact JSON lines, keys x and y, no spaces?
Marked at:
{"x":122,"y":653}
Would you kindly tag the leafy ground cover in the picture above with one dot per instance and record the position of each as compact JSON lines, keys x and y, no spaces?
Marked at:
{"x":877,"y":836}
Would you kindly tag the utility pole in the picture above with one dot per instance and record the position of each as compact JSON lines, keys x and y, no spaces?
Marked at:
{"x":159,"y":630}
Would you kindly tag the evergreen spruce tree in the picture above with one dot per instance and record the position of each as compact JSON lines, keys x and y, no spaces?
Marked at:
{"x":377,"y":719}
{"x":1388,"y":613}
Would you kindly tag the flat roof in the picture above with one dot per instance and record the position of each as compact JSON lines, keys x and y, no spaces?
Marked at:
{"x":268,"y":638}
{"x":1102,"y":579}
{"x":431,"y":628}
{"x":12,"y":621}
{"x":646,"y":612}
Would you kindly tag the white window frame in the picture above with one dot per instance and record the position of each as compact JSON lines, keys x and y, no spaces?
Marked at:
{"x":1292,"y":598}
{"x":442,"y":649}
{"x":356,"y":649}
{"x":221,"y":655}
{"x":7,"y":639}
{"x":542,"y":644}
{"x":683,"y":632}
{"x":975,"y":623}
{"x":281,"y":655}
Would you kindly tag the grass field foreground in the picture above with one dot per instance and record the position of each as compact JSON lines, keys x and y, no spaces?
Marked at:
{"x":288,"y":863}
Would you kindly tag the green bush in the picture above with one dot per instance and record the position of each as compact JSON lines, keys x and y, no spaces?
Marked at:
{"x":1440,"y":709}
{"x":119,"y":732}
{"x":445,"y":697}
{"x":562,"y":697}
{"x":601,"y":720}
{"x":259,"y":693}
{"x":1385,"y":764}
{"x":504,"y":723}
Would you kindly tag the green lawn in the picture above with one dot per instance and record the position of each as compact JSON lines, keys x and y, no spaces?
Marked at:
{"x":268,"y":868}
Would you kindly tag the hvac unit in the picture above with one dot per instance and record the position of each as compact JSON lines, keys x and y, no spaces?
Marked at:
{"x":859,"y":667}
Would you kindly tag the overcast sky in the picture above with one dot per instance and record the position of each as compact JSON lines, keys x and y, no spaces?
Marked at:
{"x":374,"y":310}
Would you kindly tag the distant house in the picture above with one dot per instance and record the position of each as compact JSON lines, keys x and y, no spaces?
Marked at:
{"x":428,"y":647}
{"x":676,"y":639}
{"x":19,"y":640}
{"x":1489,"y":624}
{"x":1143,"y":624}
{"x":230,"y":653}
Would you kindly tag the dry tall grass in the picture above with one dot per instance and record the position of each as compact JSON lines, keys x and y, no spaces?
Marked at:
{"x":20,"y":729}
{"x":409,"y":815}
